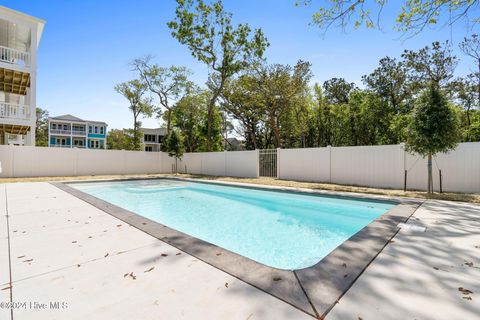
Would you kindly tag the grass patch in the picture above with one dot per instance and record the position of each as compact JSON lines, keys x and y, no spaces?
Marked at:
{"x":464,"y":197}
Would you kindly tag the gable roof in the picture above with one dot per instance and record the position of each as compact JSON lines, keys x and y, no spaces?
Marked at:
{"x":68,"y":117}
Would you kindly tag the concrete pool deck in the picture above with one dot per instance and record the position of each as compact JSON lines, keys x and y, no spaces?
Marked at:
{"x":62,"y":249}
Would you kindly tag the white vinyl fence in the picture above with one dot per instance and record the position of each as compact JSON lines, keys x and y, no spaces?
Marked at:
{"x":232,"y":164}
{"x":372,"y":166}
{"x":16,"y":161}
{"x":383,"y":167}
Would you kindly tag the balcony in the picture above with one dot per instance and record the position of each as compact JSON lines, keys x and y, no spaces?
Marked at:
{"x":14,"y":111}
{"x":68,"y":132}
{"x":13,"y":56}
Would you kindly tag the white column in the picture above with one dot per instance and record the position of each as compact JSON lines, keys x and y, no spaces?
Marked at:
{"x":33,"y":83}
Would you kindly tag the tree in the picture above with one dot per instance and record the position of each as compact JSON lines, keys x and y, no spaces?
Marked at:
{"x":433,"y":127}
{"x":134,"y":92}
{"x":471,"y":47}
{"x":412,"y":18}
{"x":428,"y":65}
{"x":188,"y":115}
{"x":120,"y":139}
{"x":168,"y":84}
{"x":279,"y":88}
{"x":337,"y":90}
{"x":208,"y":32}
{"x":175,"y":147}
{"x":390,"y":81}
{"x":242,"y":101}
{"x":41,"y":128}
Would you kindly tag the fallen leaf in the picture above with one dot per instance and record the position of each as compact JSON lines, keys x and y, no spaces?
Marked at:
{"x":219,"y":254}
{"x":164,"y":254}
{"x":277,"y":279}
{"x":467,"y":298}
{"x":464,"y":291}
{"x":345,"y":275}
{"x":29,"y":260}
{"x":78,"y":265}
{"x":436,"y":268}
{"x":344,"y":265}
{"x":20,"y":257}
{"x":105,"y":255}
{"x":178,"y":254}
{"x":149,"y":269}
{"x":470,"y":264}
{"x":226,"y":284}
{"x":119,"y":225}
{"x":126,"y":274}
{"x":74,"y":241}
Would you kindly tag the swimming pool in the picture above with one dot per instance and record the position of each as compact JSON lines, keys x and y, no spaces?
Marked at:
{"x":283,"y":230}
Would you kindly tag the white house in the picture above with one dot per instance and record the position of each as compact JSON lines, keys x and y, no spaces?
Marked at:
{"x":68,"y":131}
{"x":19,"y":38}
{"x":153,"y":138}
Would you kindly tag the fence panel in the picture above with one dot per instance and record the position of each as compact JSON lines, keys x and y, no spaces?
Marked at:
{"x":312,"y":164}
{"x":242,"y":164}
{"x":373,"y":166}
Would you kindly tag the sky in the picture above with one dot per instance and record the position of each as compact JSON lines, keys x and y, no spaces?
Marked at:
{"x":87,"y":45}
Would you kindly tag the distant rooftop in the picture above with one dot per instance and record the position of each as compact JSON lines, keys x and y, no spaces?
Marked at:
{"x":159,"y":131}
{"x":71,"y":118}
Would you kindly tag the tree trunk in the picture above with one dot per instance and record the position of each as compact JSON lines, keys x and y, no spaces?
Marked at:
{"x":135,"y":136}
{"x":430,"y":179}
{"x":169,"y":120}
{"x":478,"y":84}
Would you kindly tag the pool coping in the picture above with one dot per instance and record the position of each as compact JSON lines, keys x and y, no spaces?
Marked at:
{"x":314,"y":290}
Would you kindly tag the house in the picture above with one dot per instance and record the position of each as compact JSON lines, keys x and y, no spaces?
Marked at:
{"x":233,"y":144}
{"x":68,"y":131}
{"x":19,"y":38}
{"x":153,"y":138}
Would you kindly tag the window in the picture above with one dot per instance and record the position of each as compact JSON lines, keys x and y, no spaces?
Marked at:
{"x":61,"y":141}
{"x":94,"y":144}
{"x":148,"y":148}
{"x":149,"y":138}
{"x":90,"y":129}
{"x":65,"y":127}
{"x":101,"y":130}
{"x":54,"y":126}
{"x":96,"y":129}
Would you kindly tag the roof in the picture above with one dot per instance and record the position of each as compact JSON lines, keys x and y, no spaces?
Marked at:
{"x":71,"y":118}
{"x":67,"y":117}
{"x":20,"y":15}
{"x":159,"y":131}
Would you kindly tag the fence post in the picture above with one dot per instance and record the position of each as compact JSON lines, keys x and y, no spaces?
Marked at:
{"x":278,"y":163}
{"x":405,"y":172}
{"x":75,"y":165}
{"x":258,"y":162}
{"x":12,"y":161}
{"x":225,"y":161}
{"x":124,"y":156}
{"x":329,"y":164}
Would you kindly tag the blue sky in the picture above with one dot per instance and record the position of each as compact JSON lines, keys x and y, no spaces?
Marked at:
{"x":87,"y":45}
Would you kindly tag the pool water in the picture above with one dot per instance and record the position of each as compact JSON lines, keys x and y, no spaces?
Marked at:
{"x":283,"y":230}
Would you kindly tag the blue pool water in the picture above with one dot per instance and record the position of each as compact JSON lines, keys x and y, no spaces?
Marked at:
{"x":280,"y":229}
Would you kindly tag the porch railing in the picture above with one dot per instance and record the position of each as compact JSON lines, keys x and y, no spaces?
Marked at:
{"x":14,"y":111}
{"x":14,"y":56}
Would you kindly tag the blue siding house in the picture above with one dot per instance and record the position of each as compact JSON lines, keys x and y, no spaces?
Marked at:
{"x":68,"y":131}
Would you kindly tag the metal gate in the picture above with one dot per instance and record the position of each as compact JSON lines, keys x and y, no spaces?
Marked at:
{"x":268,"y":162}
